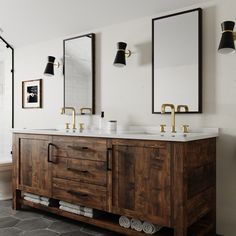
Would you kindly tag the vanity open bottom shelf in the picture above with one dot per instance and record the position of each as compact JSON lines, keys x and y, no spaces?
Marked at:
{"x":111,"y":222}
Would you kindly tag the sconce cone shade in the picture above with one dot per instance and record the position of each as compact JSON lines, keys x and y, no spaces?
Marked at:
{"x":227,"y":39}
{"x":120,"y":60}
{"x":49,"y":70}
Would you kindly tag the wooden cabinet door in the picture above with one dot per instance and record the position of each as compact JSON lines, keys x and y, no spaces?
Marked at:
{"x":141,"y":180}
{"x":33,"y":169}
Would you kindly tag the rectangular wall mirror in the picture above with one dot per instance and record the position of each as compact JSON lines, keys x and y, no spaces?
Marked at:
{"x":79,"y":72}
{"x":177,"y":60}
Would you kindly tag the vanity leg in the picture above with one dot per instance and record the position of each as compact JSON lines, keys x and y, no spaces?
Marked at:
{"x":16,"y":199}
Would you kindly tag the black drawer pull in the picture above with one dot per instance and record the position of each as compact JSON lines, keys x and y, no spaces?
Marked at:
{"x":78,"y":148}
{"x":68,"y":167}
{"x":77,"y":170}
{"x":79,"y":194}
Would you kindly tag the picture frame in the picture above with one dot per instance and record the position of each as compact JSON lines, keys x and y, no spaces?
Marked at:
{"x":32,"y":93}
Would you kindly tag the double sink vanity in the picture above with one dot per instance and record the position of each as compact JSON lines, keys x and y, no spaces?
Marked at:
{"x":165,"y":179}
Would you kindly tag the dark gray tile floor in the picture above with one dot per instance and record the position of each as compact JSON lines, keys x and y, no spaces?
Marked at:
{"x":31,"y":222}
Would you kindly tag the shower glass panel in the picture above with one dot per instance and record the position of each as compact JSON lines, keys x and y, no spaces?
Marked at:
{"x":6,"y":111}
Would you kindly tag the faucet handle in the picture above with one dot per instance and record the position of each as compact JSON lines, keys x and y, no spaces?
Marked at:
{"x":67,"y":126}
{"x":162,"y":128}
{"x":81,"y":127}
{"x":185,"y":128}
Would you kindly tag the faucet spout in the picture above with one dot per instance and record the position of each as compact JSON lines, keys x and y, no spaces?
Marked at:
{"x":185,"y":107}
{"x":172,"y":107}
{"x":63,"y":110}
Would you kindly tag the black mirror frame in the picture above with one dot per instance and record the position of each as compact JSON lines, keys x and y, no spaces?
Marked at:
{"x":93,"y":50}
{"x":12,"y":76}
{"x":199,"y":59}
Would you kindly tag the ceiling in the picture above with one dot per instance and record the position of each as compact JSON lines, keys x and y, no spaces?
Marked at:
{"x":30,"y":21}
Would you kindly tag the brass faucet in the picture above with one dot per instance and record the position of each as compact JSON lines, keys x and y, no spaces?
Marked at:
{"x":182,"y":106}
{"x":63,"y":109}
{"x":85,"y":109}
{"x":172,"y":107}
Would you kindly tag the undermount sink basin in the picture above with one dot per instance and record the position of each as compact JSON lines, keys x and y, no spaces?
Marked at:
{"x":46,"y":129}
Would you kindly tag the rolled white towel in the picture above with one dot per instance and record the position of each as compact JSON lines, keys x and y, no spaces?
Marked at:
{"x":45,"y":199}
{"x":87,"y":209}
{"x":30,"y":199}
{"x":45,"y":203}
{"x":136,"y":224}
{"x":87,"y":214}
{"x":150,"y":228}
{"x":124,"y":222}
{"x":71,"y":210}
{"x":32,"y":196}
{"x":70,"y":205}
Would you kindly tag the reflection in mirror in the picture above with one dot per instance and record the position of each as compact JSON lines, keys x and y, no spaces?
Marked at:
{"x":79,"y":72}
{"x":176,"y":66}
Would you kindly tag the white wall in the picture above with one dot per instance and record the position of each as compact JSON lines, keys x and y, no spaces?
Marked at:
{"x":125,"y":94}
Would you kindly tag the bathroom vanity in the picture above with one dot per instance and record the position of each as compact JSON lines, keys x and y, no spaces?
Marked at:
{"x":168,"y":181}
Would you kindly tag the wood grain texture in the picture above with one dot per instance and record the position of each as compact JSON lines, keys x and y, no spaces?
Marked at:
{"x":33,"y":170}
{"x":94,"y":172}
{"x":172,"y":184}
{"x":141,"y":181}
{"x":84,"y":194}
{"x":80,"y":148}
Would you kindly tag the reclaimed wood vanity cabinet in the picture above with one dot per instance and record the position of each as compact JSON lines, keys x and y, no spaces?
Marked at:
{"x":32,"y":169}
{"x":171,"y":184}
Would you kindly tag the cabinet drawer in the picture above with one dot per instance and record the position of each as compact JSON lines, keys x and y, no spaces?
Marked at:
{"x":94,"y":172}
{"x":90,"y":195}
{"x":80,"y":148}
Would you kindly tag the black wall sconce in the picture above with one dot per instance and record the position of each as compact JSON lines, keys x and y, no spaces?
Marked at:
{"x":227,"y":39}
{"x":49,"y":70}
{"x":120,"y":59}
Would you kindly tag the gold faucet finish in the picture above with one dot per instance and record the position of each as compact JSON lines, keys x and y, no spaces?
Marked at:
{"x":162,"y":128}
{"x":81,"y":127}
{"x":172,"y":107}
{"x":85,"y":109}
{"x":185,"y":128}
{"x":185,"y":107}
{"x":63,"y":110}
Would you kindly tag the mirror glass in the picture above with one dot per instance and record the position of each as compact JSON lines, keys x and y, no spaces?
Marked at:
{"x":176,"y":61}
{"x":79,"y":72}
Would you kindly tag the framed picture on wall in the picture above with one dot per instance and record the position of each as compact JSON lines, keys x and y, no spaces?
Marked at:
{"x":32,"y":94}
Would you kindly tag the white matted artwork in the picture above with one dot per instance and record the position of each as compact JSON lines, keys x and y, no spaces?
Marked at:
{"x":32,"y":94}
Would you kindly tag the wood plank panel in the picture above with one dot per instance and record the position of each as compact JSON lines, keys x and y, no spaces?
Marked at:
{"x":94,"y":172}
{"x":80,"y":148}
{"x":84,"y":194}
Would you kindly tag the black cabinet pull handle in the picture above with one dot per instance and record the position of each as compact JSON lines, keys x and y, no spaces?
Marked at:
{"x":109,"y":159}
{"x":49,"y":151}
{"x":79,"y":194}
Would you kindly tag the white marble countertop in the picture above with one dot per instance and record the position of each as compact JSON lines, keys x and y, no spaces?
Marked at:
{"x":142,"y":135}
